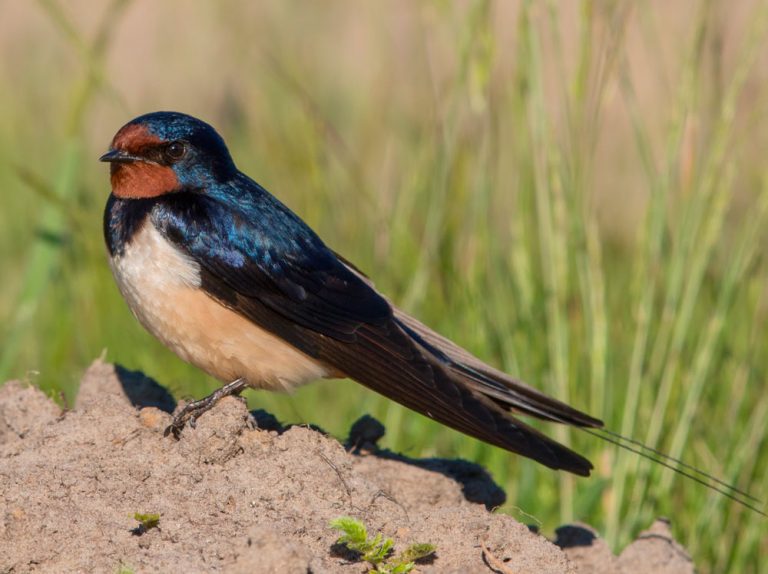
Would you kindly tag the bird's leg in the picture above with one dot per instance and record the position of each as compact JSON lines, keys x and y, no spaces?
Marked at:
{"x":193,"y":410}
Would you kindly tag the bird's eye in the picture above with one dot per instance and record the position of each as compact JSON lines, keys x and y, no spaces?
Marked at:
{"x":174,"y":151}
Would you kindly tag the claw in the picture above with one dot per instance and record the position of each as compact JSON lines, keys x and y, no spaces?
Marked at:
{"x":191,"y":412}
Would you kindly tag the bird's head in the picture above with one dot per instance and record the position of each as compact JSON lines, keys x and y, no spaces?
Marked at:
{"x":165,"y":152}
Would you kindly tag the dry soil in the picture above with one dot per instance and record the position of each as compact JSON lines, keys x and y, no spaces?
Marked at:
{"x":241,"y":493}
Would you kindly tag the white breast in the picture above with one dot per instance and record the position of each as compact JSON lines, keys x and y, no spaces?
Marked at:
{"x":162,"y":287}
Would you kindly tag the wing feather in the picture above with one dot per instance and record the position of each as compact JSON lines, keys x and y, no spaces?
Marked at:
{"x":278,"y":274}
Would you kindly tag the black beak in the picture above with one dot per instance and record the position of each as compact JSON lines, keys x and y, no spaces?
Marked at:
{"x":119,"y":156}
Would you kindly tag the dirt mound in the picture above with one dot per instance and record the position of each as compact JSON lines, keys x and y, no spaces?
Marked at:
{"x":236,"y":498}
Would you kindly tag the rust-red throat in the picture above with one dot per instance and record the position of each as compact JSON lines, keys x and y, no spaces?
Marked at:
{"x":139,"y":179}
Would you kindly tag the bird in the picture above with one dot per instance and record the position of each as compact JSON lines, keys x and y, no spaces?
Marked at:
{"x":235,"y":283}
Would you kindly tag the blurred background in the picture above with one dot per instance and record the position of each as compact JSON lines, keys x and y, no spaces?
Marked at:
{"x":576,"y":192}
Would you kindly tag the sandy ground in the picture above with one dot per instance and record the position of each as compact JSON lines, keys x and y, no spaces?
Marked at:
{"x":241,"y":493}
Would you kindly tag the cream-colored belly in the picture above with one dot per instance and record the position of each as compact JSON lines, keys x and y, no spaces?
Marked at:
{"x":162,"y":287}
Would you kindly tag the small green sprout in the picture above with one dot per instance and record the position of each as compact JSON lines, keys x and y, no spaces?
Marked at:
{"x":377,"y":550}
{"x":146,"y":522}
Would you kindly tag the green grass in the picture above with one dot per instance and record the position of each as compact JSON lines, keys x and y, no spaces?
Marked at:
{"x":578,"y":196}
{"x":376,"y":550}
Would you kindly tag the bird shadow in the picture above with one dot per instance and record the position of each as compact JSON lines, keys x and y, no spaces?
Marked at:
{"x":477,"y":485}
{"x":143,"y":391}
{"x":573,"y":535}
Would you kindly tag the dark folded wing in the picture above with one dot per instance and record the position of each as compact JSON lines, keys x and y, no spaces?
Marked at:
{"x":283,"y":278}
{"x":507,"y":391}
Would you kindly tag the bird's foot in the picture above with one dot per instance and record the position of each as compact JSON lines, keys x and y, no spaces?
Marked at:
{"x":191,"y":412}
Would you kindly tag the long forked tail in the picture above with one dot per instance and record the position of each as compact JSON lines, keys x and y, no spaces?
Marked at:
{"x":512,"y":394}
{"x":389,"y":360}
{"x":509,"y":393}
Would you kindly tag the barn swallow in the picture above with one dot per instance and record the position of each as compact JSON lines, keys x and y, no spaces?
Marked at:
{"x":238,"y":285}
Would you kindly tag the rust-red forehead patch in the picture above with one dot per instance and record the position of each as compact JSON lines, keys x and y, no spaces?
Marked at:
{"x":133,"y":138}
